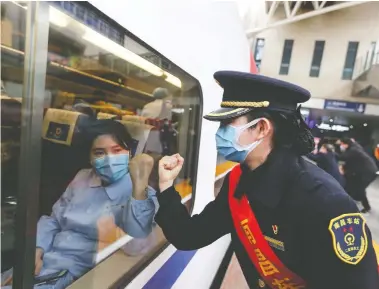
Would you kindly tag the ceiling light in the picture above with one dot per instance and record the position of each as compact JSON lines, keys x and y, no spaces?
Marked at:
{"x":123,"y":53}
{"x":172,"y":79}
{"x":365,"y":124}
{"x":351,"y":126}
{"x":331,"y":120}
{"x":326,"y":126}
{"x":57,"y":17}
{"x":107,"y":44}
{"x":61,"y":19}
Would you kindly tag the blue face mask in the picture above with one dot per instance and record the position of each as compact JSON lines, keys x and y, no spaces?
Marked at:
{"x":112,"y":168}
{"x":227,"y":142}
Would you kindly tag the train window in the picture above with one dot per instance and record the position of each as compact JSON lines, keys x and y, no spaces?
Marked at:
{"x":113,"y":108}
{"x":13,"y":26}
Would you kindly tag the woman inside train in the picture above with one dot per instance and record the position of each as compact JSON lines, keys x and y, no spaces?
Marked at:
{"x":113,"y":194}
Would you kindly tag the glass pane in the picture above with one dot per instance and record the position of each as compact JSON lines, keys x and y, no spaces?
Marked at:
{"x":351,"y":55}
{"x":13,"y":19}
{"x":286,"y":57}
{"x":112,"y":111}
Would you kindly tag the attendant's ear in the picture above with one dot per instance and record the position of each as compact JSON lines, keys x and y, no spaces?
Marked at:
{"x":264,"y":128}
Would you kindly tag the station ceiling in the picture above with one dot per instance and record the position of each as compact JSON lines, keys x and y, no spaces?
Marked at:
{"x":259,"y":15}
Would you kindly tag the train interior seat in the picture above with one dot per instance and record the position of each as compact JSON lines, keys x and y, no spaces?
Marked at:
{"x":104,"y":115}
{"x":63,"y":153}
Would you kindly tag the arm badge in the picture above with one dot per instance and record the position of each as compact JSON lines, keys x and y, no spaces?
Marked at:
{"x":349,"y":237}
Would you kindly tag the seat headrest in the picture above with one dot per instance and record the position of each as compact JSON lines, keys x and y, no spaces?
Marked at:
{"x":139,"y":132}
{"x":59,"y":125}
{"x":103,"y":115}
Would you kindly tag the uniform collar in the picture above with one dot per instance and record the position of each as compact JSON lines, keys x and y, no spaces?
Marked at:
{"x":268,"y":182}
{"x":113,"y":190}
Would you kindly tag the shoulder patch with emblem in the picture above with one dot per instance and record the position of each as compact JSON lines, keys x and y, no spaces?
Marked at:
{"x":349,"y":237}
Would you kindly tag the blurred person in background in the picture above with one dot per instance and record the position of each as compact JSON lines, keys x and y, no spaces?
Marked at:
{"x":84,"y":107}
{"x":327,"y":160}
{"x":161,"y":107}
{"x":359,"y":169}
{"x":377,"y":152}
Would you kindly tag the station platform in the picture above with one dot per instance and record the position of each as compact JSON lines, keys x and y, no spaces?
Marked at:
{"x":234,"y":277}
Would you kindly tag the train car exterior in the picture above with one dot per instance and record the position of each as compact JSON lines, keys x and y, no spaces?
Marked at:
{"x":67,"y":64}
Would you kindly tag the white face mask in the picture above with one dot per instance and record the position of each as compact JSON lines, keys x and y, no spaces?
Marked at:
{"x":238,"y":130}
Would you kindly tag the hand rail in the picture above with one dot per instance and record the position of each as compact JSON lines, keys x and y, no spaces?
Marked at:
{"x":365,"y":62}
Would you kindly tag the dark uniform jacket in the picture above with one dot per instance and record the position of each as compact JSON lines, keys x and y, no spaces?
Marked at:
{"x":328,"y":162}
{"x":299,"y":199}
{"x":358,"y":162}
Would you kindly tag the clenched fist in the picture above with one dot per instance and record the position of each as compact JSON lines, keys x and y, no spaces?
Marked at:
{"x":169,"y":168}
{"x":140,"y":168}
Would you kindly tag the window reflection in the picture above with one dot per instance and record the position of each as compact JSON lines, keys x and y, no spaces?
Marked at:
{"x":111,"y":112}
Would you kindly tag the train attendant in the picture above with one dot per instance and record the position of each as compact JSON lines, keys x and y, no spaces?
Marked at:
{"x":292,"y":224}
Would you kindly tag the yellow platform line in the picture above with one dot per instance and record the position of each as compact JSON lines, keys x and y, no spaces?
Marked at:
{"x":184,"y":188}
{"x":224,"y":167}
{"x":376,"y":249}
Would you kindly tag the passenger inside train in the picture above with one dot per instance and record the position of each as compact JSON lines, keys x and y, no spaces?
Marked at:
{"x":113,"y":197}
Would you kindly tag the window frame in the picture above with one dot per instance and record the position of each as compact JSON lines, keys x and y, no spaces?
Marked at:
{"x":285,"y":66}
{"x":35,"y":63}
{"x":32,"y":118}
{"x":316,"y":62}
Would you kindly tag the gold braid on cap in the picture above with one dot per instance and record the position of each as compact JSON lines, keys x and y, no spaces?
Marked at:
{"x":226,"y":112}
{"x":245,"y":104}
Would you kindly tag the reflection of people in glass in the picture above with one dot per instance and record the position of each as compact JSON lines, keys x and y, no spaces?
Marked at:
{"x":113,"y":194}
{"x":85,"y":108}
{"x":161,"y":107}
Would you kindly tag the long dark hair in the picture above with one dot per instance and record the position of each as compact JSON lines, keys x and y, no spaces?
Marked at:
{"x":290,"y":130}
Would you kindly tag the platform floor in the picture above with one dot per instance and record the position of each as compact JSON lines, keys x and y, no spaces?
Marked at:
{"x":234,"y":277}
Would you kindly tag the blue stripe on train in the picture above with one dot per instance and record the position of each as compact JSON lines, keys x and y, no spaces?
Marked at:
{"x":167,"y":275}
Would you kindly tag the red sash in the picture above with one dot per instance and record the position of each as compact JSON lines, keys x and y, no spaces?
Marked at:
{"x":275,"y":274}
